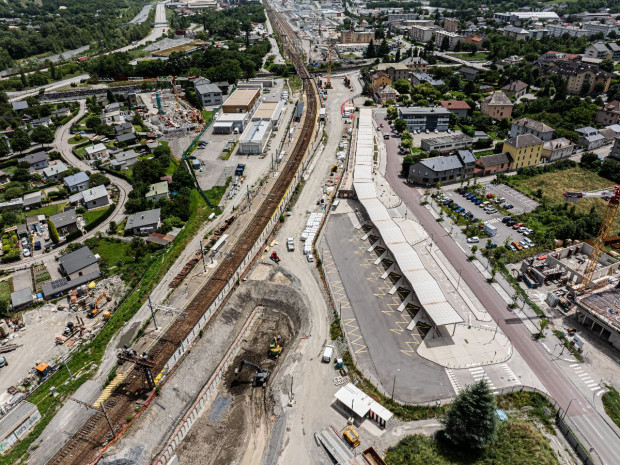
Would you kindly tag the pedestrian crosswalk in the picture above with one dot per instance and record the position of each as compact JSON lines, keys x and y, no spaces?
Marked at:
{"x":587,"y":379}
{"x":493,"y":220}
{"x":510,"y":375}
{"x":456,"y":384}
{"x":479,"y":373}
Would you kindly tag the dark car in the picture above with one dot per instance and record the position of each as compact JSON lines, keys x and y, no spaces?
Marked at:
{"x":506,"y":219}
{"x":508,"y":206}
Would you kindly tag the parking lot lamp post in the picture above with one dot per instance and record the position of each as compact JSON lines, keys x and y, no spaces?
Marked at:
{"x":394,"y":383}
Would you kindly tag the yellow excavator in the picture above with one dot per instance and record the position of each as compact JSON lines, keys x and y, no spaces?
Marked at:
{"x":95,"y":308}
{"x":274,"y":347}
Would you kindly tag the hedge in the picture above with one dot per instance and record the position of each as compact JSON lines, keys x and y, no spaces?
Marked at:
{"x":101,"y":219}
{"x":74,"y":235}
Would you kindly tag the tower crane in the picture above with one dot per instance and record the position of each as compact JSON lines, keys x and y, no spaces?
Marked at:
{"x":612,"y":195}
{"x":328,"y":81}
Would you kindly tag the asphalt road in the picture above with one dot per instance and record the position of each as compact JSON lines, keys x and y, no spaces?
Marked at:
{"x":590,"y":423}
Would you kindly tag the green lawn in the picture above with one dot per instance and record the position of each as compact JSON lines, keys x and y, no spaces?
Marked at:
{"x":5,"y":290}
{"x":76,"y":140}
{"x":49,"y":210}
{"x":172,"y":166}
{"x":207,"y":115}
{"x":611,"y":401}
{"x":479,"y":56}
{"x":92,"y":215}
{"x":518,"y":442}
{"x":553,"y":185}
{"x":80,"y":152}
{"x":113,"y":251}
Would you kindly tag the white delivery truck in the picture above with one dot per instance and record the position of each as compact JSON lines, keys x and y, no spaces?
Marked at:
{"x":328,"y":353}
{"x":290,"y":244}
{"x":490,"y":229}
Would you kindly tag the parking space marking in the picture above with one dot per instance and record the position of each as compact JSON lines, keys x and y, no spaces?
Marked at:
{"x":354,"y":336}
{"x":493,"y":220}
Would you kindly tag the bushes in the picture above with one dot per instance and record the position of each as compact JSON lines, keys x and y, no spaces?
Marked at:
{"x":531,"y":171}
{"x":101,"y":219}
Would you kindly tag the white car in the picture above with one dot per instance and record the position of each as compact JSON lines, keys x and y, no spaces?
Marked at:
{"x":473,"y":240}
{"x":26,"y":253}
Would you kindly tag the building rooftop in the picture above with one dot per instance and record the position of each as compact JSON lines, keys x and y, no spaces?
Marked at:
{"x":94,"y":193}
{"x":33,"y":158}
{"x":15,"y":418}
{"x":558,"y":143}
{"x":54,"y":169}
{"x":498,"y":98}
{"x":77,"y":260}
{"x":141,"y":219}
{"x":533,"y":125}
{"x":386,"y":66}
{"x":95,"y":148}
{"x":515,"y":86}
{"x":256,"y":131}
{"x":495,"y":159}
{"x":523,"y":140}
{"x":449,"y":139}
{"x":242,"y":97}
{"x":423,"y":111}
{"x":439,"y":164}
{"x":75,"y":179}
{"x":21,"y":297}
{"x":159,"y":188}
{"x":65,"y":218}
{"x":455,"y":105}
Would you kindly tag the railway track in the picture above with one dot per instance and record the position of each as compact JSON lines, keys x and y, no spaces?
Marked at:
{"x":83,"y":447}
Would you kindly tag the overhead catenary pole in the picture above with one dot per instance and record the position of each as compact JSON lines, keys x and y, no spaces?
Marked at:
{"x":153,"y":313}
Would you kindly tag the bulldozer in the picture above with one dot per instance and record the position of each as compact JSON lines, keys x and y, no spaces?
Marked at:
{"x":261,"y":376}
{"x":351,"y":436}
{"x":275,"y":349}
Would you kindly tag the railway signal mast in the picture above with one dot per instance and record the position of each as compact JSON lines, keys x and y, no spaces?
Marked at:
{"x":612,"y":195}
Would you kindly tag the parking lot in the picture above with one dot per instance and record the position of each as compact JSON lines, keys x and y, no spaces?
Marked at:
{"x":522,"y":203}
{"x":504,"y":232}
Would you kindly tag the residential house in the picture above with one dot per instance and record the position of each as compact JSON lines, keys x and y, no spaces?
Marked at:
{"x":557,"y":149}
{"x":77,"y":182}
{"x":590,"y":138}
{"x":497,"y":106}
{"x":157,"y":191}
{"x":422,"y":34}
{"x":492,"y":164}
{"x":61,"y":112}
{"x":21,"y":299}
{"x":19,"y":106}
{"x":530,"y":126}
{"x":423,"y":78}
{"x":580,"y":77}
{"x":386,"y":93}
{"x":123,"y":128}
{"x":55,"y":173}
{"x":474,"y":40}
{"x":36,"y":161}
{"x":524,"y":149}
{"x":379,"y":80}
{"x":395,"y":71}
{"x":598,"y":50}
{"x":32,"y":200}
{"x":143,"y":223}
{"x":615,"y":150}
{"x":65,"y":222}
{"x":45,"y":121}
{"x":447,"y":169}
{"x":123,"y":160}
{"x":416,"y":64}
{"x":458,"y":107}
{"x":114,"y":106}
{"x":209,"y":94}
{"x":469,"y":74}
{"x":609,"y":113}
{"x":95,"y":197}
{"x":422,"y":118}
{"x":81,"y":262}
{"x":97,"y":152}
{"x":515,"y":89}
{"x":127,"y":138}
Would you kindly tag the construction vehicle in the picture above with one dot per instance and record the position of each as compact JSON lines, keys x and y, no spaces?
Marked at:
{"x":275,"y":349}
{"x":612,"y":195}
{"x":351,"y":436}
{"x":261,"y":376}
{"x":70,"y":331}
{"x":95,"y":308}
{"x":274,"y":256}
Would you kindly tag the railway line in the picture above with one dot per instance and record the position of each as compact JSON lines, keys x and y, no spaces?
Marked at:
{"x":88,"y":441}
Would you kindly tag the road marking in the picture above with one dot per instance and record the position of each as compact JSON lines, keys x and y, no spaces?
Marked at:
{"x":456,"y":385}
{"x":511,"y":375}
{"x":575,"y":365}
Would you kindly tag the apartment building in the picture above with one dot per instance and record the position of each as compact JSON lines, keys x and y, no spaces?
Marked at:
{"x":525,"y":150}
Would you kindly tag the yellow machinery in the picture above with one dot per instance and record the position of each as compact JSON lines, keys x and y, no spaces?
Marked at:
{"x":95,"y":307}
{"x":274,"y":347}
{"x":612,"y":195}
{"x":351,"y":436}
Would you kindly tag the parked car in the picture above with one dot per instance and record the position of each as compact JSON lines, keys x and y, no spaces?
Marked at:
{"x":473,"y":240}
{"x":3,"y":362}
{"x":506,"y":219}
{"x":491,"y":245}
{"x":26,"y":252}
{"x":517,"y":226}
{"x":508,"y":206}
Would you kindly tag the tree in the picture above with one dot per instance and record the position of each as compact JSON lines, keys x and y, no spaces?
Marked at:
{"x":402,"y":86}
{"x":42,"y":135}
{"x":370,"y":51}
{"x":590,"y":161}
{"x":471,"y":422}
{"x":607,"y":65}
{"x":445,"y":44}
{"x":98,"y":179}
{"x":383,"y":49}
{"x":20,"y":140}
{"x":4,"y":147}
{"x":93,"y":123}
{"x":53,"y":231}
{"x":400,"y":124}
{"x":397,"y":58}
{"x":408,"y":161}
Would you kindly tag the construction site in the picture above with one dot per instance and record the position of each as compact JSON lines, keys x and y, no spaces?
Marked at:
{"x":168,"y":111}
{"x":37,"y":342}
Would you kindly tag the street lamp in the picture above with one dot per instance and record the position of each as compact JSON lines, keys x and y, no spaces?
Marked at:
{"x":566,"y":412}
{"x":394,"y":384}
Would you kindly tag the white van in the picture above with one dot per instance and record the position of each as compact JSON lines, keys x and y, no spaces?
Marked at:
{"x":328,"y":353}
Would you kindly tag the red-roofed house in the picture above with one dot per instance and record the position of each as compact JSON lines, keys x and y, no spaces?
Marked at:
{"x":458,"y":107}
{"x":475,"y":40}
